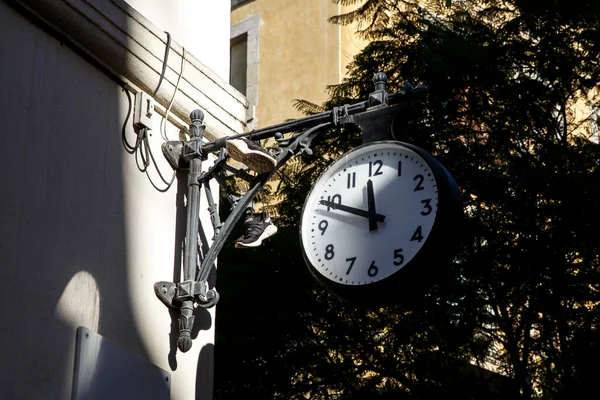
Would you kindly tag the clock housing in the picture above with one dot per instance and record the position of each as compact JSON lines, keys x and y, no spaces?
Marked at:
{"x":379,"y":223}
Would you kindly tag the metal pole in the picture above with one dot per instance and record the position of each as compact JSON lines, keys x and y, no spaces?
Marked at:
{"x":186,"y":320}
{"x":193,"y":210}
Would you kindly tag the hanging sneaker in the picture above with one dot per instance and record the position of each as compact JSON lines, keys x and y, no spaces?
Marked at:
{"x":252,"y":155}
{"x":258,"y":228}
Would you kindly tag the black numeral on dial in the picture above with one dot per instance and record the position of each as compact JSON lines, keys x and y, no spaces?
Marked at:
{"x":427,"y":207}
{"x":375,"y":167}
{"x":323,"y":226}
{"x":351,"y":180}
{"x":419,"y":179}
{"x":418,"y":236}
{"x":351,"y":260}
{"x":329,"y":253}
{"x":373,"y":270}
{"x":336,"y":198}
{"x":398,"y":257}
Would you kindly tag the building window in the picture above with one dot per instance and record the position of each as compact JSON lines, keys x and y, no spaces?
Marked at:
{"x":235,"y":3}
{"x":238,"y":66}
{"x":243,"y":67}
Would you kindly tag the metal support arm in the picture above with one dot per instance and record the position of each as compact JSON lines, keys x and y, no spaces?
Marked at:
{"x":304,"y":138}
{"x":373,"y":117}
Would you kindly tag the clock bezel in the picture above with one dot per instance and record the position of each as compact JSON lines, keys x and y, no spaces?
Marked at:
{"x":408,"y":281}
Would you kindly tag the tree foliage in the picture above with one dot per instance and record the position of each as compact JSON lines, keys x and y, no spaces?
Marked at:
{"x":512,"y":87}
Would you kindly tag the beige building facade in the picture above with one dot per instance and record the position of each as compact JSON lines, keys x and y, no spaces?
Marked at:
{"x":282,"y":50}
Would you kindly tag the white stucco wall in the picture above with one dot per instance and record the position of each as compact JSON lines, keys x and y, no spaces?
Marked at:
{"x":83,"y":234}
{"x":195,"y":25}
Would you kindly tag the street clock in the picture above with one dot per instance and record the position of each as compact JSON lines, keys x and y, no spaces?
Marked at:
{"x":379,"y":221}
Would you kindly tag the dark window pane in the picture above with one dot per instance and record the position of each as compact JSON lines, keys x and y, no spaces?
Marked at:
{"x":238,"y":63}
{"x":236,"y":2}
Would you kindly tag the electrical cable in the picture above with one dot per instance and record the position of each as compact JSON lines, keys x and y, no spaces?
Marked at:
{"x":168,"y":183}
{"x":142,"y":151}
{"x":139,"y":144}
{"x":128,"y":147}
{"x":163,"y":130}
{"x":163,"y":122}
{"x":164,"y":68}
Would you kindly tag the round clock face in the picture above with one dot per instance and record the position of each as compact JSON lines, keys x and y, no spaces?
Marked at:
{"x":369,"y":214}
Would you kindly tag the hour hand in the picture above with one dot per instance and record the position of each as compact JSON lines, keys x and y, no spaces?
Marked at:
{"x":352,"y":210}
{"x":371,"y":206}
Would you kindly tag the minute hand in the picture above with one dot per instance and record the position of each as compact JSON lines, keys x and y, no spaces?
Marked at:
{"x":352,"y":210}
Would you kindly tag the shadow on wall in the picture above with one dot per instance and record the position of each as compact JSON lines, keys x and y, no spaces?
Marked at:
{"x":63,"y":243}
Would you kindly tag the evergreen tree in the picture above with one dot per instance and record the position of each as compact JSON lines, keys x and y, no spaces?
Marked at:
{"x":512,"y":85}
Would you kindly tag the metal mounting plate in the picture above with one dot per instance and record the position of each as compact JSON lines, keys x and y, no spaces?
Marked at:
{"x":104,"y":370}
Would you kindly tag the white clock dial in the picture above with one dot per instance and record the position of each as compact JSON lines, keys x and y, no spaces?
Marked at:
{"x":369,"y":214}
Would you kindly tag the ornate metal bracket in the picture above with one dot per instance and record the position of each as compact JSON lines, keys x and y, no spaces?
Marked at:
{"x":374,"y":118}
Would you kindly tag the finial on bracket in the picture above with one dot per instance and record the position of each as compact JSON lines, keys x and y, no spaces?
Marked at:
{"x":379,"y":80}
{"x":379,"y":96}
{"x":197,"y":125}
{"x":197,"y":115}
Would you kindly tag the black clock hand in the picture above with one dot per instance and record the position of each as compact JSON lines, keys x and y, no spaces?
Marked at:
{"x":352,"y":210}
{"x":371,"y":206}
